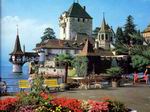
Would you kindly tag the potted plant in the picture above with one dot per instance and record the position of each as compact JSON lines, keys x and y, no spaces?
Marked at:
{"x":114,"y":72}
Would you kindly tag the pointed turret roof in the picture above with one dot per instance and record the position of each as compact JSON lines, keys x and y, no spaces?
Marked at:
{"x":17,"y":48}
{"x":104,"y":27}
{"x":76,"y":10}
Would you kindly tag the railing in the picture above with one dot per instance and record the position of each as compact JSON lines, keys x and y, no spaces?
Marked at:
{"x":12,"y":84}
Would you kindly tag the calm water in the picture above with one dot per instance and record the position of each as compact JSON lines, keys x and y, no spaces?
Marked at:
{"x":12,"y":78}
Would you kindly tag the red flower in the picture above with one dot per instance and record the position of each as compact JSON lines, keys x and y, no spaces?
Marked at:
{"x":44,"y":95}
{"x":72,"y":104}
{"x":7,"y":102}
{"x":98,"y":106}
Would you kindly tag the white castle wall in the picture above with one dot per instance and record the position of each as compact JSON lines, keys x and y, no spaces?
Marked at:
{"x":17,"y":68}
{"x":73,"y":26}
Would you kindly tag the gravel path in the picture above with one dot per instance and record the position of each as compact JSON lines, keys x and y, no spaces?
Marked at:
{"x":135,"y":97}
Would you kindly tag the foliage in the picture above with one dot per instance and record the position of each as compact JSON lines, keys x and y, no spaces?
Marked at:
{"x":72,"y":72}
{"x":95,"y":31}
{"x":120,"y":36}
{"x":139,"y":62}
{"x":48,"y":34}
{"x":64,"y":58}
{"x":63,"y":105}
{"x":129,"y":28}
{"x":114,"y":71}
{"x":116,"y":106}
{"x":80,"y":64}
{"x":36,"y":95}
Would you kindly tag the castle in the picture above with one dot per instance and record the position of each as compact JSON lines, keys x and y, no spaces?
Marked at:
{"x":75,"y":37}
{"x":75,"y":28}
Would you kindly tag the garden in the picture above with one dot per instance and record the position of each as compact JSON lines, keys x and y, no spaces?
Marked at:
{"x":40,"y":100}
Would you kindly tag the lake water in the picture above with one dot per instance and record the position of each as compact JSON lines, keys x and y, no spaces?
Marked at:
{"x":12,"y":78}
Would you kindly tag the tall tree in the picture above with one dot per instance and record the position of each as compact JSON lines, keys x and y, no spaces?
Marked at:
{"x":48,"y":34}
{"x":119,"y":36}
{"x":129,"y":29}
{"x":80,"y":64}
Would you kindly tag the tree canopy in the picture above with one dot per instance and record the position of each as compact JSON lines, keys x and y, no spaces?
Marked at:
{"x":80,"y":64}
{"x":129,"y":29}
{"x":119,"y":36}
{"x":48,"y":34}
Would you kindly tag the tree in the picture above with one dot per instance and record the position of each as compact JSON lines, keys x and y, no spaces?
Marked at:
{"x":64,"y":58}
{"x":80,"y":64}
{"x":114,"y":71}
{"x":140,"y":54}
{"x":119,"y":36}
{"x":139,"y":62}
{"x":95,"y":32}
{"x":48,"y":34}
{"x":129,"y":29}
{"x":67,"y":60}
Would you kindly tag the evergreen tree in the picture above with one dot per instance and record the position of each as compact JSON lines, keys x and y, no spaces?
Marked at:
{"x":95,"y":32}
{"x":48,"y":34}
{"x":129,"y":29}
{"x":119,"y":36}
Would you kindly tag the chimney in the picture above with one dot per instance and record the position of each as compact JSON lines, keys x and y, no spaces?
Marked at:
{"x":84,"y":7}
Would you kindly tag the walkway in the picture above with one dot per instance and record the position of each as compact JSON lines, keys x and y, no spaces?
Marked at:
{"x":137,"y":97}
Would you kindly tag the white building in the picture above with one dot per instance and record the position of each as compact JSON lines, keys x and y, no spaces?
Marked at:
{"x":75,"y":20}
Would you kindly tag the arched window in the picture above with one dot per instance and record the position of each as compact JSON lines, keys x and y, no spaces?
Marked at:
{"x":78,"y":19}
{"x":102,"y":37}
{"x":83,"y":20}
{"x":106,"y":36}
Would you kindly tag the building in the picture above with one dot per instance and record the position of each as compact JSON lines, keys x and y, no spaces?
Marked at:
{"x":19,"y":57}
{"x":75,"y":20}
{"x":99,"y":59}
{"x":146,"y":33}
{"x":105,"y":36}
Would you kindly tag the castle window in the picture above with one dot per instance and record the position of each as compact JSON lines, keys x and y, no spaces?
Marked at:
{"x":83,"y":20}
{"x":106,"y":36}
{"x":102,"y":37}
{"x":78,"y":19}
{"x":64,"y":30}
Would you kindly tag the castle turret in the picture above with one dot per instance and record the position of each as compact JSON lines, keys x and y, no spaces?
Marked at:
{"x":17,"y":57}
{"x":104,"y":36}
{"x":75,"y":21}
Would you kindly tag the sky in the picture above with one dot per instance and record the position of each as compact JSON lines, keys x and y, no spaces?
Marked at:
{"x":33,"y":16}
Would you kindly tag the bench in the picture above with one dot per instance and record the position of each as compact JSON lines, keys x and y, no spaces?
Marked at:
{"x":52,"y":83}
{"x":24,"y":84}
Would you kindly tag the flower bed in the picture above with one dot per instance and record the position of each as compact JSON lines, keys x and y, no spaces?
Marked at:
{"x":38,"y":100}
{"x":47,"y":103}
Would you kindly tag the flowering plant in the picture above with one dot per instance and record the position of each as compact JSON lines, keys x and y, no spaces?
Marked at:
{"x":72,"y":104}
{"x":8,"y":103}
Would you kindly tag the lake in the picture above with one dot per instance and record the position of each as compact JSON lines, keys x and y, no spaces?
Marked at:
{"x":12,"y":78}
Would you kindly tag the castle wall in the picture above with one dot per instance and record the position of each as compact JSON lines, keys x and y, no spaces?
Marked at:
{"x":70,"y":26}
{"x":17,"y":68}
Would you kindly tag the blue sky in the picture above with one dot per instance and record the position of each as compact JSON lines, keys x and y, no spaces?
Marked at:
{"x":33,"y":16}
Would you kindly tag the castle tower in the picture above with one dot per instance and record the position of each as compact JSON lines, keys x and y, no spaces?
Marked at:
{"x":17,"y":56}
{"x":75,"y":21}
{"x":105,"y":36}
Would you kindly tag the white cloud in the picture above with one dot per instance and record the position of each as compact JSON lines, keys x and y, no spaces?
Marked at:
{"x":30,"y":31}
